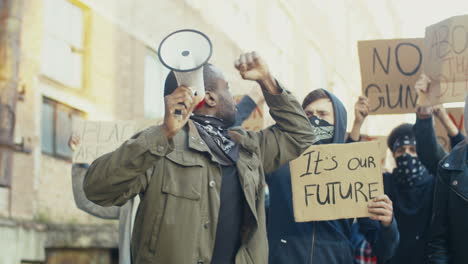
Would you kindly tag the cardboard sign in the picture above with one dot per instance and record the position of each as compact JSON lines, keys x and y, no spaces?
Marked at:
{"x":255,"y":121}
{"x":100,"y":137}
{"x":389,"y":70}
{"x":457,"y":117}
{"x":336,"y":181}
{"x":446,"y":60}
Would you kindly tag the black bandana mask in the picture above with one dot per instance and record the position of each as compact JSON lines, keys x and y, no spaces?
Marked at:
{"x":409,"y":171}
{"x":217,"y":129}
{"x":322,"y":130}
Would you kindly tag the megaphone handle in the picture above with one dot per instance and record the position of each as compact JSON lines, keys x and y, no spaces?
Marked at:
{"x":178,"y":112}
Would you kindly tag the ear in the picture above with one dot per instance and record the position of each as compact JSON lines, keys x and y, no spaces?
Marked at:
{"x":211,"y":99}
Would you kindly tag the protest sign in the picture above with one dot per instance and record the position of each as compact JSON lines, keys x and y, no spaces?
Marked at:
{"x":446,"y":60}
{"x":336,"y":181}
{"x":389,"y":70}
{"x":255,"y":121}
{"x":457,"y":117}
{"x":100,"y":137}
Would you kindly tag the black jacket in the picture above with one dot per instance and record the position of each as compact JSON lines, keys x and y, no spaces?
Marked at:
{"x":320,"y":241}
{"x":449,"y":227}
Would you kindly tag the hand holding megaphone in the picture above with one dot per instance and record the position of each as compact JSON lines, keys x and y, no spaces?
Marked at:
{"x":182,"y":102}
{"x":185,"y":52}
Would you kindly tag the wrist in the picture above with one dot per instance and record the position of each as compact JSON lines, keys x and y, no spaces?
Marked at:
{"x":268,"y":83}
{"x":358,"y":123}
{"x":167,"y":132}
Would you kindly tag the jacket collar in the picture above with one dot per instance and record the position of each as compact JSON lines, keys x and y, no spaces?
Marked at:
{"x":456,"y":160}
{"x":195,"y":141}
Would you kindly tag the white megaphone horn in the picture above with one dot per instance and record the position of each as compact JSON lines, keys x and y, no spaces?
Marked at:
{"x":185,"y":52}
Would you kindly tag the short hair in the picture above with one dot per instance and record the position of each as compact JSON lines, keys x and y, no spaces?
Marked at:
{"x":209,"y":79}
{"x":314,"y":96}
{"x":398,"y":132}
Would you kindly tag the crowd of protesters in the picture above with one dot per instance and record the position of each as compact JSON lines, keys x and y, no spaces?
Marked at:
{"x":192,"y":190}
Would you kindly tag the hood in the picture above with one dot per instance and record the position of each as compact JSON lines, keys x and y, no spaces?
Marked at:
{"x":341,"y":119}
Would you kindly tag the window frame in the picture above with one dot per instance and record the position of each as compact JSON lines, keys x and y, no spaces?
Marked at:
{"x":84,"y":51}
{"x":56,"y":105}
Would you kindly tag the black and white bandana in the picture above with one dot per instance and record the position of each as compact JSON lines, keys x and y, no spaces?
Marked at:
{"x":402,"y":141}
{"x":215,"y":127}
{"x":409,"y":171}
{"x":322,"y":130}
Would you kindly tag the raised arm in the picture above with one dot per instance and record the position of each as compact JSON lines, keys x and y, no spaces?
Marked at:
{"x":292,"y":133}
{"x":430,"y":152}
{"x":452,"y":131}
{"x":361,"y":111}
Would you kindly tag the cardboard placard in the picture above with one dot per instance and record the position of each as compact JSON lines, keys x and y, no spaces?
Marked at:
{"x":389,"y":70}
{"x":100,"y":137}
{"x":255,"y":121}
{"x":457,"y":117}
{"x":446,"y":60}
{"x":336,"y":181}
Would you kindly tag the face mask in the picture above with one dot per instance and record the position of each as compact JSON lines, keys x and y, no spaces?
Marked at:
{"x":409,"y":170}
{"x":322,"y":130}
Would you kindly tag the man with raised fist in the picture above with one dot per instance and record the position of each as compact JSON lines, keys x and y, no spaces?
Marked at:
{"x":204,"y":201}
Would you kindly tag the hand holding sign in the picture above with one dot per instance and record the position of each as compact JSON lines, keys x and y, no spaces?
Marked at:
{"x":338,"y":181}
{"x":381,"y":209}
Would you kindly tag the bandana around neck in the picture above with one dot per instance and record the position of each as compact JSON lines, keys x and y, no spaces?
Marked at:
{"x":215,"y":127}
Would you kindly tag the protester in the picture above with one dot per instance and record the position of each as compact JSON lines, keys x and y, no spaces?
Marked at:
{"x":411,"y":184}
{"x":187,"y":214}
{"x":323,"y":241}
{"x":449,"y":229}
{"x":126,"y":213}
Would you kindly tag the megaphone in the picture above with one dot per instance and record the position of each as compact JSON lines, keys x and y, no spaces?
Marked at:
{"x":185,"y":52}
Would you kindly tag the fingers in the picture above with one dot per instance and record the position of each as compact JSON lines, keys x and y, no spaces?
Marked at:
{"x":380,"y":205}
{"x":383,"y":198}
{"x":182,"y":95}
{"x":247,"y":61}
{"x":380,"y":211}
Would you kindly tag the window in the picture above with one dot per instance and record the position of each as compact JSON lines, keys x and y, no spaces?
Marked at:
{"x":155,"y":77}
{"x":63,"y":42}
{"x":57,"y":122}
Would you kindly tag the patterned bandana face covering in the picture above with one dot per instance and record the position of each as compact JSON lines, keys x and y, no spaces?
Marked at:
{"x":323,"y":130}
{"x":215,"y":127}
{"x":409,"y":170}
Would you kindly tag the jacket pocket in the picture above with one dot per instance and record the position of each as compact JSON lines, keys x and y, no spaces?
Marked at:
{"x":183,"y":175}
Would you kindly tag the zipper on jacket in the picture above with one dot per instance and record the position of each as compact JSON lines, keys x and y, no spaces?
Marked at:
{"x":313,"y":246}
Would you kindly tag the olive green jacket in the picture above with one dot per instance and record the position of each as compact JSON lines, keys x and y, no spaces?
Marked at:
{"x":178,"y":214}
